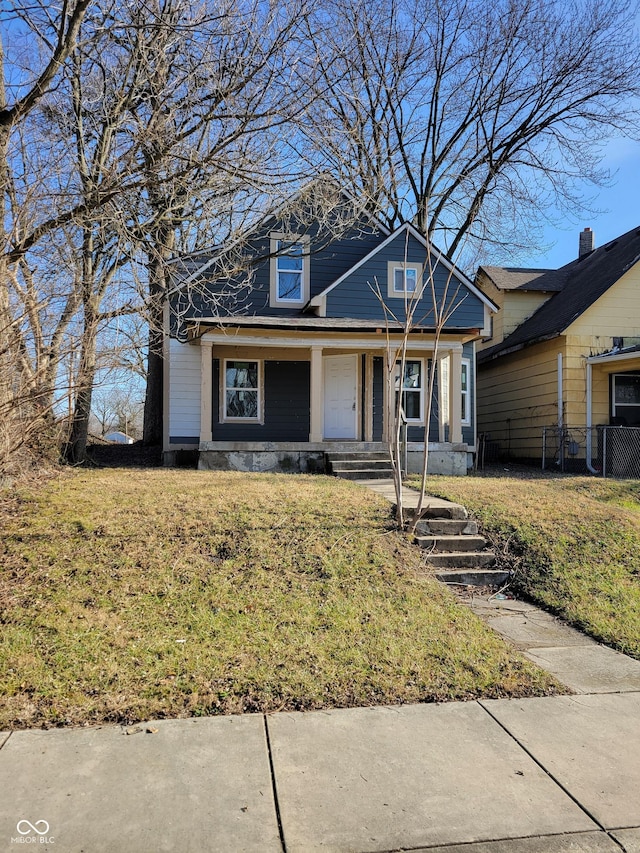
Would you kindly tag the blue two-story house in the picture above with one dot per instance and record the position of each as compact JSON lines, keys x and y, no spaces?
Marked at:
{"x":286,"y":348}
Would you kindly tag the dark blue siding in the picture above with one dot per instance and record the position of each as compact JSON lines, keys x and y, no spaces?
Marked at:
{"x":250,"y":295}
{"x":354,"y":297}
{"x":286,"y":405}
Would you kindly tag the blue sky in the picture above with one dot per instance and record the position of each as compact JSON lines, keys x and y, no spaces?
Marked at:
{"x":618,"y":208}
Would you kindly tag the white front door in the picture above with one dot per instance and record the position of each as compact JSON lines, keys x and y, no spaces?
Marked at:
{"x":340,"y":396}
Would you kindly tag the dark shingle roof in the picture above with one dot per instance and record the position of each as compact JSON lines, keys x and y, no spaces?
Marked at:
{"x":523,"y":278}
{"x":585,"y":280}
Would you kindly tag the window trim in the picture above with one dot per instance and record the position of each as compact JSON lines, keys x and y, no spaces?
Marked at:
{"x":465,"y":395}
{"x":422,"y":390}
{"x":303,"y":239}
{"x":404,"y":266}
{"x":229,"y":419}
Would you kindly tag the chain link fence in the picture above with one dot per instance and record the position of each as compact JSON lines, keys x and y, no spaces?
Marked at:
{"x":609,"y":451}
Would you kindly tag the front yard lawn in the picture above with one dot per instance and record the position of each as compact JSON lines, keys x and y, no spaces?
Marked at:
{"x":134,"y":594}
{"x":575,"y":542}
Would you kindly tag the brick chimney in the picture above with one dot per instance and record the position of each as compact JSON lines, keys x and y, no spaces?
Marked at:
{"x":587,"y":243}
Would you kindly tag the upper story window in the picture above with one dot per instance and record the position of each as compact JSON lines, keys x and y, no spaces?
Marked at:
{"x":289,"y":267}
{"x":289,"y":270}
{"x":403,"y":279}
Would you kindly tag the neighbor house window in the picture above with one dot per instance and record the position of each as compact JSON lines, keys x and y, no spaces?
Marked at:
{"x":241,"y":391}
{"x":465,"y":403}
{"x":625,"y":397}
{"x":289,"y":270}
{"x":412,"y":390}
{"x":403,"y":278}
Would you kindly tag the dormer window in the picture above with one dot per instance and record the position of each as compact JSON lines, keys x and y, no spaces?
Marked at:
{"x":289,"y":265}
{"x":403,"y":279}
{"x":289,"y":270}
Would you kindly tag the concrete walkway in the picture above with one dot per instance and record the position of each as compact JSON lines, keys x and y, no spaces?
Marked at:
{"x":549,"y":775}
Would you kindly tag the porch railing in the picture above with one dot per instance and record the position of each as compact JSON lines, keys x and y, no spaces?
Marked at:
{"x":608,"y":451}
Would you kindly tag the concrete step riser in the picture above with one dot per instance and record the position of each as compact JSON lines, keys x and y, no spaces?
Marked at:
{"x":451,"y":543}
{"x":447,"y":527}
{"x":462,"y":559}
{"x":474,"y":577}
{"x":340,"y":457}
{"x":345,"y":464}
{"x":355,"y":474}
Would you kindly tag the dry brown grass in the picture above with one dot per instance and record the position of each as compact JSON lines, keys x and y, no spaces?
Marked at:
{"x":131,"y":594}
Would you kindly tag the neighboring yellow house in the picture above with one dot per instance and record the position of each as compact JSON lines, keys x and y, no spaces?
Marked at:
{"x":564,"y":354}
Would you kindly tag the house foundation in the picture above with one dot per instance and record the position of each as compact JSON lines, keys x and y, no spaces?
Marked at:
{"x":311,"y":458}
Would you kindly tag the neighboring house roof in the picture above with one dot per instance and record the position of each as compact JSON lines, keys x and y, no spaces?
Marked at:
{"x":119,"y":437}
{"x":584,"y":281}
{"x":523,"y":278}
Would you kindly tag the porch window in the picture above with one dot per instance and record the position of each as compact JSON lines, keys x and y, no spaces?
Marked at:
{"x":412,"y":390}
{"x":289,"y":270}
{"x":241,"y":391}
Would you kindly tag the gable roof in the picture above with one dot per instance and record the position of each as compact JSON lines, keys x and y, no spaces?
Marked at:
{"x":583,"y":281}
{"x":196,"y":263}
{"x":440,"y":258}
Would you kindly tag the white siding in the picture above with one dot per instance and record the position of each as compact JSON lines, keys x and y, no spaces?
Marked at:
{"x":184,"y":389}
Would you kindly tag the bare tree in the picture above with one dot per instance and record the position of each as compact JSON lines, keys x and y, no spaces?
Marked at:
{"x":219,"y":89}
{"x":164,"y":127}
{"x":470,"y":118}
{"x":430,"y":304}
{"x":20,"y":94}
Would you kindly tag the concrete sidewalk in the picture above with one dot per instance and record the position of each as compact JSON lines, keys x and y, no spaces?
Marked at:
{"x":547,"y":774}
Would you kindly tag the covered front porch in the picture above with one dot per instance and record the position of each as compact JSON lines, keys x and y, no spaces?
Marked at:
{"x":276,"y":401}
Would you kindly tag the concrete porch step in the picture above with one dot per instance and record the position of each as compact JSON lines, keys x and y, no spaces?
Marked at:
{"x":346,"y":464}
{"x":441,"y":543}
{"x":344,"y":455}
{"x":361,"y":473}
{"x":360,"y":465}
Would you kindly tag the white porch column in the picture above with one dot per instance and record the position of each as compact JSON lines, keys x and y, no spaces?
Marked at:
{"x":455,"y":396}
{"x":317,"y":396}
{"x":443,"y":395}
{"x":206,"y":390}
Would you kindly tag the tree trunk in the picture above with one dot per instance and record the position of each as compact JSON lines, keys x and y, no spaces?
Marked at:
{"x":75,"y":451}
{"x":154,"y":397}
